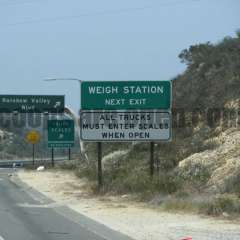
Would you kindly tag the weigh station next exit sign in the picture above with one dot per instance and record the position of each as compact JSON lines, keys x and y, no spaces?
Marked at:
{"x":126,"y":111}
{"x":122,"y":95}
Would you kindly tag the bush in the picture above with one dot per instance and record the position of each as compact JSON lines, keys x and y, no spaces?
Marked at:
{"x":87,"y":170}
{"x":222,"y":204}
{"x":179,"y":205}
{"x":232,"y":183}
{"x":196,"y":173}
{"x":67,"y":165}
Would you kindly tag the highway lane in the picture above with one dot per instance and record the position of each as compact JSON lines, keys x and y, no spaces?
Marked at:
{"x":22,"y":217}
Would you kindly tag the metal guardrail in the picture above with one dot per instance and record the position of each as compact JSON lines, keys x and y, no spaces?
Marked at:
{"x":22,"y":163}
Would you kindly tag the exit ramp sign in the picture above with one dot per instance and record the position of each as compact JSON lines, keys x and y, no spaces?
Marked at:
{"x":123,"y":95}
{"x":31,"y":104}
{"x":61,"y":133}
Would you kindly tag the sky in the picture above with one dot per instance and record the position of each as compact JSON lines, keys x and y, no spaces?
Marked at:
{"x":103,"y":40}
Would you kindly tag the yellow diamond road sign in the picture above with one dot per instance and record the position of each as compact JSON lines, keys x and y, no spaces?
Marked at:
{"x":33,"y":137}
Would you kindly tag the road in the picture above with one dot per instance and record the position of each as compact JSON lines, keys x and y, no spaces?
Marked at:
{"x":27,"y":215}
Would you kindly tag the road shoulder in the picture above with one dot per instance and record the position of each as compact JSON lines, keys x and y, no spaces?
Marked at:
{"x":87,"y":223}
{"x":132,"y":219}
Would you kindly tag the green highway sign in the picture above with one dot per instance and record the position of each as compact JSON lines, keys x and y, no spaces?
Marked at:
{"x":31,"y":104}
{"x":123,"y":95}
{"x":61,"y":133}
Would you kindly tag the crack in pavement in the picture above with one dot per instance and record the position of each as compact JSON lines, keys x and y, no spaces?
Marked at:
{"x":60,"y":233}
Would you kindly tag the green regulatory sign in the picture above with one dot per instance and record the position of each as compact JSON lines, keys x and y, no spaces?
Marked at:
{"x":31,"y":104}
{"x":123,"y":95}
{"x":60,"y":133}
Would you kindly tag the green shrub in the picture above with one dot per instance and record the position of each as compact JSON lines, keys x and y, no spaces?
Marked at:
{"x":87,"y":170}
{"x":67,"y":165}
{"x":222,"y":204}
{"x":195,"y":173}
{"x":232,"y":184}
{"x":182,"y":205}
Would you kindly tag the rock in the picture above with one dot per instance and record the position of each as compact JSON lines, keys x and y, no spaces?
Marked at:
{"x":225,"y":214}
{"x":216,"y":170}
{"x":114,"y":159}
{"x":40,"y":168}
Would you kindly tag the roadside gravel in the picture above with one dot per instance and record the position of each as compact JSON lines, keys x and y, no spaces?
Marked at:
{"x":121,"y":214}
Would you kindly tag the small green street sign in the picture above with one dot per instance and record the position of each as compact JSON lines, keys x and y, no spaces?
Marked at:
{"x":60,"y":145}
{"x":31,"y":104}
{"x":61,"y":133}
{"x":123,"y":95}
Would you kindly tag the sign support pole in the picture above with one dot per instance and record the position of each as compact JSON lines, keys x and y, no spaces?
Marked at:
{"x":52,"y":157}
{"x":69,"y":154}
{"x":33,"y":155}
{"x":158,"y":165}
{"x":99,"y":146}
{"x":151,"y":159}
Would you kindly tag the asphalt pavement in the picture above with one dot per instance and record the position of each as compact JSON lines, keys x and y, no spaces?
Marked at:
{"x":27,"y":215}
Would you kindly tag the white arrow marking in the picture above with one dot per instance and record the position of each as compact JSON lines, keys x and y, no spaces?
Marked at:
{"x":61,"y":136}
{"x":58,"y":104}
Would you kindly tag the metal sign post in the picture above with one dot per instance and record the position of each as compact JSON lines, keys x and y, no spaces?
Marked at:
{"x":52,"y":157}
{"x":33,"y":154}
{"x":151,"y":159}
{"x":69,"y":154}
{"x":100,"y":180}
